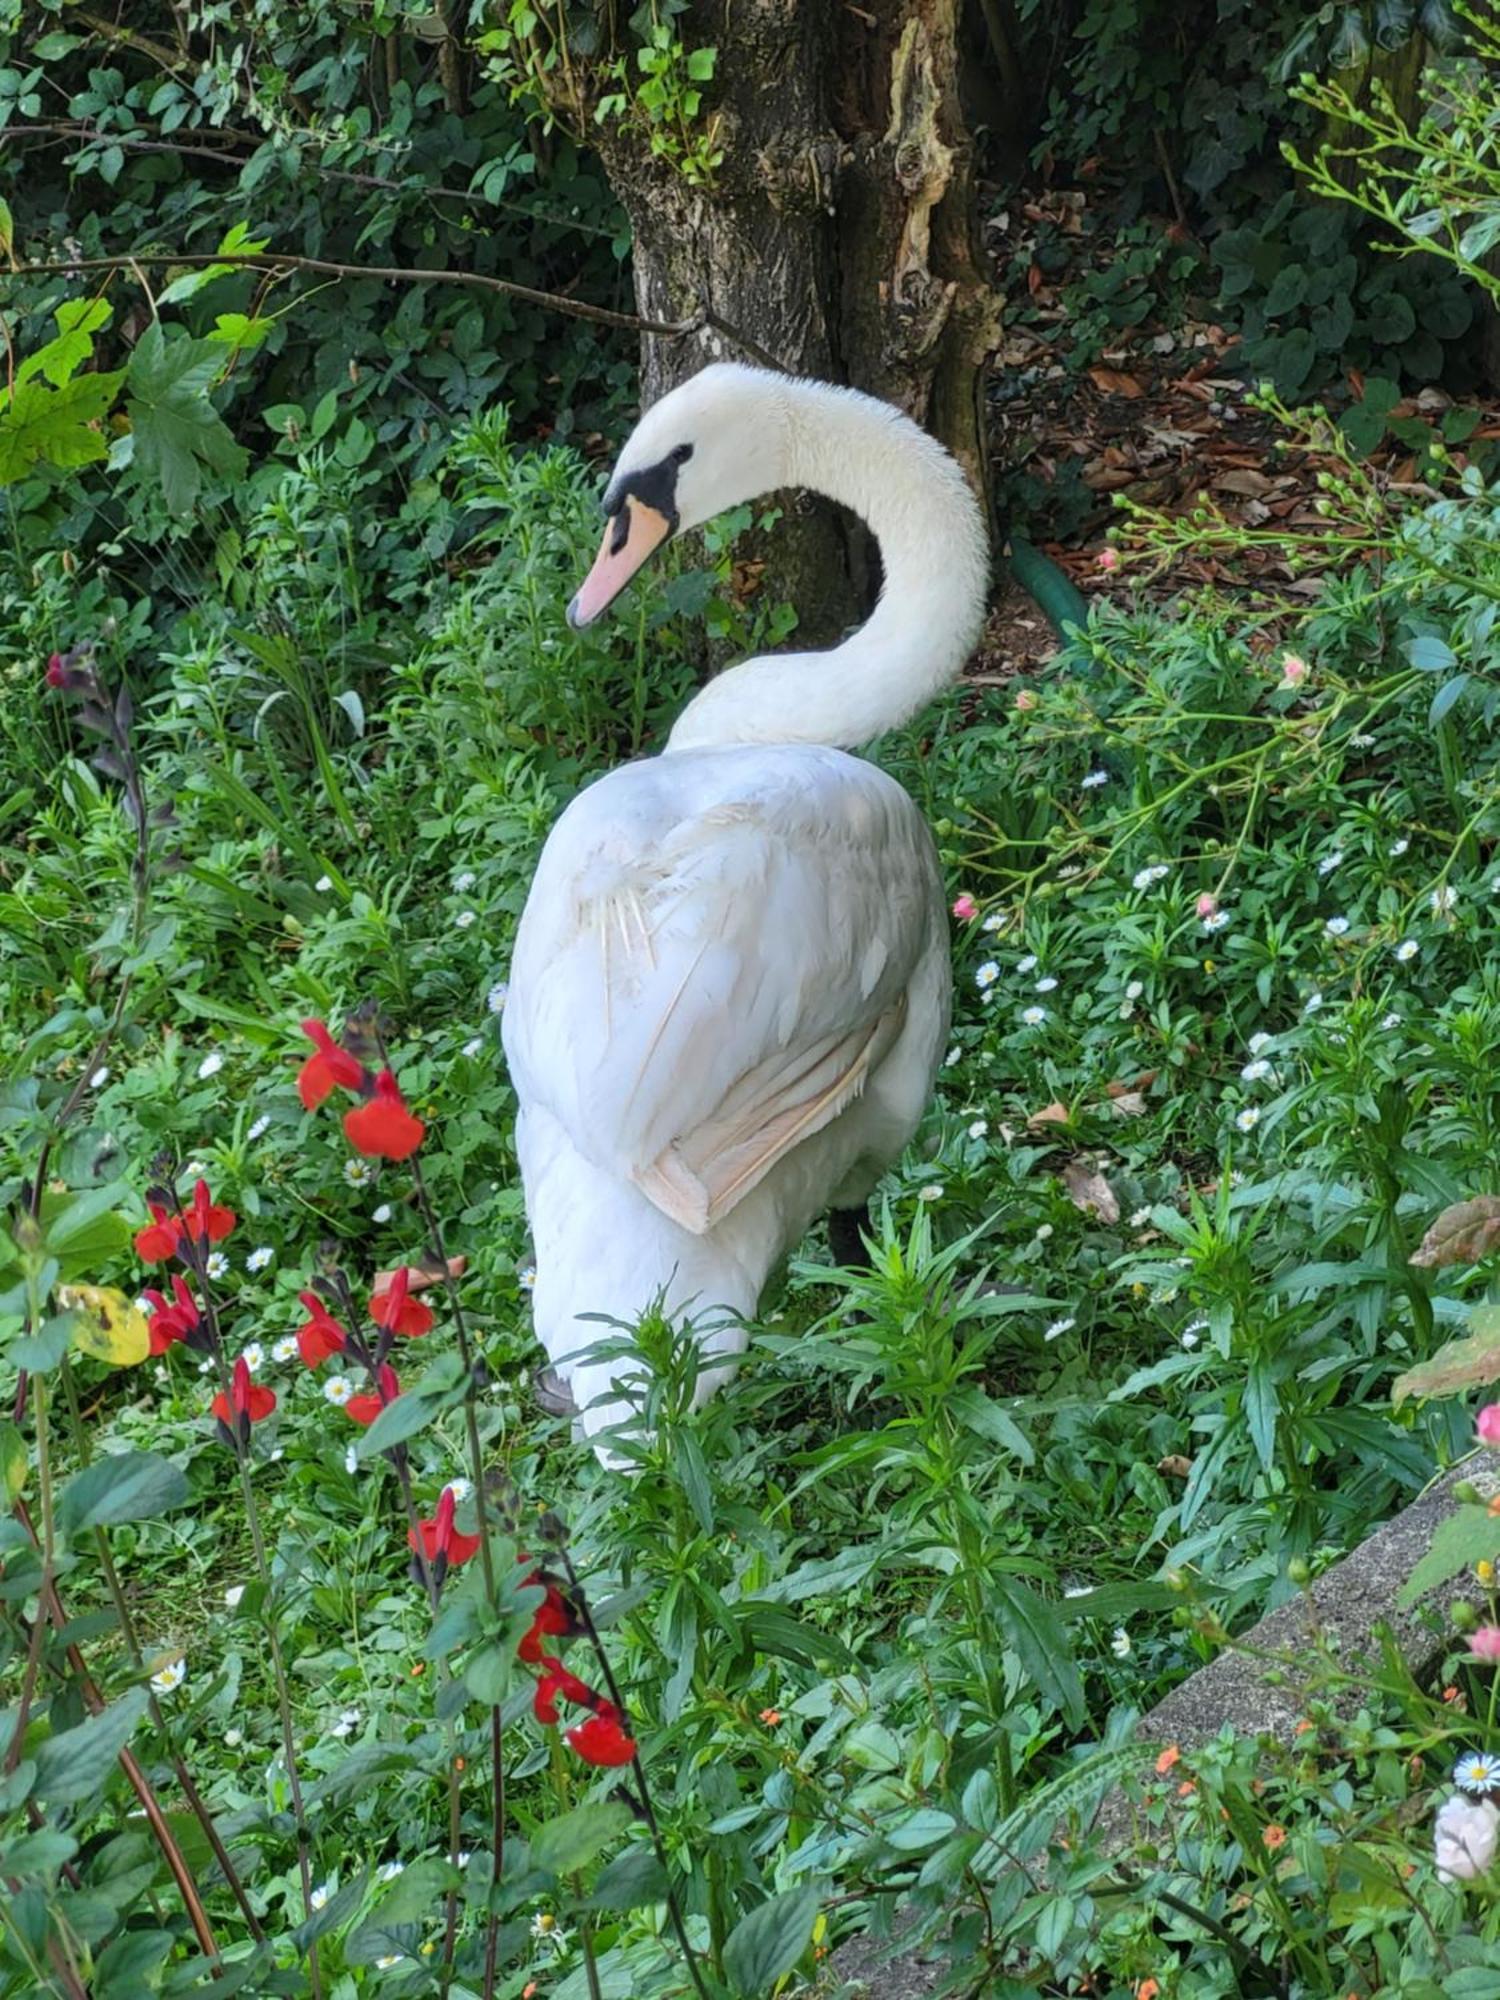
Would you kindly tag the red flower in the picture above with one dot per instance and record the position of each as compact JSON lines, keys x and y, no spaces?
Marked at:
{"x":169,"y":1323}
{"x":246,"y":1403}
{"x":56,"y":672}
{"x":394,"y":1309}
{"x":206,"y":1219}
{"x":601,"y":1740}
{"x":442,"y":1544}
{"x":556,"y":1680}
{"x":384,"y":1128}
{"x":159,"y":1239}
{"x":551,"y":1620}
{"x":365,"y":1409}
{"x":332,"y":1067}
{"x":320,"y":1335}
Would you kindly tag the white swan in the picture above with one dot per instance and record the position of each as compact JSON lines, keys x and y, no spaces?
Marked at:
{"x":730,"y":987}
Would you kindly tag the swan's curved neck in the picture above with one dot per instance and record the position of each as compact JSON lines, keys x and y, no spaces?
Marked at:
{"x":935,"y":557}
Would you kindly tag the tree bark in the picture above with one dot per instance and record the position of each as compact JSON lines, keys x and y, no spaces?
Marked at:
{"x":837,"y":236}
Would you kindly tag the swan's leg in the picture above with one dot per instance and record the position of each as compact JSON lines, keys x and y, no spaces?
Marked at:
{"x":553,"y":1396}
{"x":847,"y":1228}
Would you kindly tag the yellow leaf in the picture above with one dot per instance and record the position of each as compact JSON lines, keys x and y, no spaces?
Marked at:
{"x":109,"y":1327}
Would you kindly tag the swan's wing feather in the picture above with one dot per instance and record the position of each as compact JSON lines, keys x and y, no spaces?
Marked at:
{"x":700,"y":986}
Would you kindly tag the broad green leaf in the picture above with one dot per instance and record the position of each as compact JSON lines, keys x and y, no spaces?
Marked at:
{"x":765,"y":1946}
{"x":177,"y":430}
{"x":920,"y":1829}
{"x":128,"y":1968}
{"x":487,"y":1674}
{"x":40,"y":1352}
{"x":1261,"y":1405}
{"x":106,"y":1325}
{"x":40,"y":425}
{"x":1471,"y":1535}
{"x":1462,"y":1234}
{"x":1033,"y":1631}
{"x":569,"y":1842}
{"x":339,"y":1908}
{"x":1430,"y":654}
{"x":416,"y":1892}
{"x":128,"y":1486}
{"x":409,"y":1413}
{"x":981,"y":1414}
{"x":77,"y":1764}
{"x":629,"y":1882}
{"x":1462,"y":1364}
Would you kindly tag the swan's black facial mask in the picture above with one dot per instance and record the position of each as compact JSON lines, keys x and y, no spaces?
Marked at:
{"x":642,"y":511}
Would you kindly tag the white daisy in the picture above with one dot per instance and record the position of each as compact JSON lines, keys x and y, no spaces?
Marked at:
{"x":1495,"y":885}
{"x":1407,"y":950}
{"x":1476,"y":1772}
{"x":462,"y":884}
{"x":979,"y":1128}
{"x":986,"y":974}
{"x":932,"y":1192}
{"x":338,"y":1389}
{"x":1442,"y":899}
{"x":351,"y":1460}
{"x":1028,"y":963}
{"x":952,"y":1057}
{"x":1140,"y":1218}
{"x":1094,"y":780}
{"x":358,"y":1173}
{"x":1254,"y":1072}
{"x":1398,"y":847}
{"x":1119,"y":1645}
{"x":167,"y":1679}
{"x":1390,"y":1021}
{"x":1218,"y":920}
{"x":323,"y":884}
{"x":1193,"y":1328}
{"x":473,"y":1047}
{"x":1033,"y":1017}
{"x":100,"y":1077}
{"x":217,"y":1265}
{"x":526,"y":1277}
{"x":1047,"y":985}
{"x":320,"y":1895}
{"x":347,"y":1723}
{"x":1188,"y":1338}
{"x":233,"y":1595}
{"x":497,"y":996}
{"x":1329,"y":862}
{"x":1135,"y":989}
{"x":258,"y":1259}
{"x":258,"y":1130}
{"x":386,"y":1960}
{"x":460,"y":1489}
{"x":1259,"y":1041}
{"x":285,"y":1349}
{"x":1249,"y":1118}
{"x":464,"y":918}
{"x":1146,"y":878}
{"x":1058,"y":1328}
{"x":389,"y":1870}
{"x":254,"y":1357}
{"x":1337,"y":926}
{"x":381,"y":1214}
{"x":995,"y":921}
{"x":210,"y":1066}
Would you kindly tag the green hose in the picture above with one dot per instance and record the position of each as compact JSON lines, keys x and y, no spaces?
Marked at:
{"x":1060,"y":600}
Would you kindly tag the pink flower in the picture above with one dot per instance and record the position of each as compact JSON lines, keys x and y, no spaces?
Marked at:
{"x":1487,"y":1423}
{"x":1108,"y":559}
{"x":1025,"y":698}
{"x":1207,"y":904}
{"x":965,"y":908}
{"x":1293,"y":670}
{"x":1484,"y":1643}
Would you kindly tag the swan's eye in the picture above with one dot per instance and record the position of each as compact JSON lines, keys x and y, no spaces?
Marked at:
{"x":681,"y":453}
{"x":621,"y":534}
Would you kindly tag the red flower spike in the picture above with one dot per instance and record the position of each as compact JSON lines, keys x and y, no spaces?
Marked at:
{"x":330,"y":1069}
{"x":602,"y":1741}
{"x":169,"y":1323}
{"x":551,"y":1621}
{"x":159,"y":1239}
{"x":384,"y":1128}
{"x":206,"y":1219}
{"x":246,"y":1403}
{"x":556,"y":1680}
{"x":395,"y":1309}
{"x":441,"y":1541}
{"x":365,"y":1409}
{"x":320,"y":1335}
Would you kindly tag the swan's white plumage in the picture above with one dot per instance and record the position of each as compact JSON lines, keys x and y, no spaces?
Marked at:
{"x":730,"y":987}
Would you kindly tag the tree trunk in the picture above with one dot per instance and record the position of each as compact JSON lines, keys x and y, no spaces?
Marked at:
{"x":836,"y":237}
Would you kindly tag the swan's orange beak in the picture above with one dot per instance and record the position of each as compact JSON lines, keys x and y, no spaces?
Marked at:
{"x":633,"y":534}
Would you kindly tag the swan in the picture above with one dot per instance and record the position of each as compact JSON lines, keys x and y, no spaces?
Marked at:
{"x":730,"y":987}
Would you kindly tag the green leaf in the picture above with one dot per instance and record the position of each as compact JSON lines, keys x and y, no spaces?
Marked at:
{"x":76,"y":1765}
{"x":178,"y":432}
{"x":1033,"y":1631}
{"x":130,"y":1966}
{"x":39,"y":1353}
{"x":700,"y":64}
{"x":765,"y":1946}
{"x":920,"y":1829}
{"x":1471,"y":1535}
{"x":629,"y":1882}
{"x":339,"y":1908}
{"x":487,"y":1674}
{"x":1431,"y":655}
{"x":7,"y":230}
{"x":1261,"y":1405}
{"x":981,"y":1414}
{"x":127,"y":1486}
{"x":411,"y":1412}
{"x":58,"y":427}
{"x":416,"y":1892}
{"x":1444,"y":699}
{"x":14,"y":1460}
{"x":570,"y":1842}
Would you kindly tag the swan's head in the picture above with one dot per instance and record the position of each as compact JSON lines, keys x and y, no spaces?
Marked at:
{"x":718,"y":439}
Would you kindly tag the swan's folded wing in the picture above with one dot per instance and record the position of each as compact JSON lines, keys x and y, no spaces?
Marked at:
{"x":693,"y":1011}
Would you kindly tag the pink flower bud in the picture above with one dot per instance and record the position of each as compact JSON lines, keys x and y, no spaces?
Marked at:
{"x":1484,"y":1642}
{"x":966,"y":910}
{"x":1025,"y":698}
{"x":1207,"y":904}
{"x":1487,"y":1423}
{"x":56,"y":674}
{"x":1108,"y":559}
{"x":1293,"y":670}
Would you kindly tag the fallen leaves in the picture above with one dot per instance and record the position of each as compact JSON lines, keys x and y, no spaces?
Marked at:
{"x":1089,"y":1192}
{"x":1462,"y":1234}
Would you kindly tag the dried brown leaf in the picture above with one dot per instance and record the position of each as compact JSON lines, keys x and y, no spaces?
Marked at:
{"x":1090,"y":1192}
{"x":1462,"y":1364}
{"x":1462,"y":1234}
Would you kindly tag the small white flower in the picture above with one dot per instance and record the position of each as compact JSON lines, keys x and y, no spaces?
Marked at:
{"x":1048,"y":985}
{"x":386,"y":1960}
{"x":100,"y":1077}
{"x":1119,"y":1645}
{"x":1188,"y":1338}
{"x":233,"y":1595}
{"x":1337,"y":926}
{"x":497,"y":996}
{"x":1140,"y":1218}
{"x":320,"y":1895}
{"x":388,"y":1871}
{"x":1260,"y":1041}
{"x":1476,"y":1772}
{"x":1043,"y":1231}
{"x":1329,"y":862}
{"x":932,"y":1192}
{"x":545,"y":1927}
{"x":1464,"y":1838}
{"x":1254,"y":1072}
{"x":351,"y":1460}
{"x":464,"y":918}
{"x":278,"y":1453}
{"x":381,"y":1214}
{"x":1390,"y":1021}
{"x":1398,"y":847}
{"x":952,"y":1057}
{"x":233,"y":1738}
{"x":462,"y":884}
{"x":258,"y":1130}
{"x":1248,"y":1119}
{"x":1058,"y":1328}
{"x":195,"y":1170}
{"x":255,"y":1357}
{"x":473,"y":1047}
{"x":258,"y":1259}
{"x":1135,"y":989}
{"x":1313,"y":1003}
{"x":1442,"y":899}
{"x":285,"y":1349}
{"x":1361,"y":742}
{"x":323,"y":884}
{"x":217,"y":1265}
{"x":460,"y":1489}
{"x":526,"y":1277}
{"x":1094,"y":780}
{"x":462,"y":1858}
{"x":338,"y":1389}
{"x":1146,"y":878}
{"x":995,"y":921}
{"x":979,"y":1128}
{"x":210,"y":1066}
{"x":358,"y":1173}
{"x":167,"y":1679}
{"x":347,"y":1723}
{"x":1034,"y":1016}
{"x":1495,"y":885}
{"x":986,"y":974}
{"x":1028,"y":963}
{"x":1407,"y":950}
{"x":1218,"y":920}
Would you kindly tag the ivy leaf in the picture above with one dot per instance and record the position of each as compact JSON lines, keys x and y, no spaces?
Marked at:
{"x":764,"y":1946}
{"x":1463,"y":1234}
{"x":75,"y":1765}
{"x":177,"y":430}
